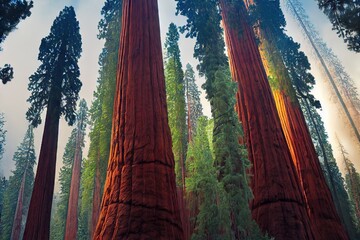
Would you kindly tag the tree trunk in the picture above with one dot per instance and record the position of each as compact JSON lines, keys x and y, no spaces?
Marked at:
{"x":72,"y":214}
{"x":140,"y":199}
{"x":16,"y":229}
{"x":278,"y":205}
{"x":38,"y":219}
{"x":96,"y":197}
{"x":323,"y":216}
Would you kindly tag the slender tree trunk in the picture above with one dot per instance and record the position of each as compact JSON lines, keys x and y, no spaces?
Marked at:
{"x":72,"y":214}
{"x":140,"y":199}
{"x":328,"y":74}
{"x":16,"y":229}
{"x":323,"y":216}
{"x":96,"y":197}
{"x":278,"y":205}
{"x":38,"y":219}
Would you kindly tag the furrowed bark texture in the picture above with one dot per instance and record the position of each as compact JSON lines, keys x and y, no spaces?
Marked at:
{"x":323,"y":216}
{"x":278,"y":205}
{"x":72,"y":214}
{"x":140,"y":199}
{"x":38,"y":220}
{"x":16,"y":229}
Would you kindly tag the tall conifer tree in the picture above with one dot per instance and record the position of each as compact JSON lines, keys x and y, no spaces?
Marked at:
{"x":55,"y":85}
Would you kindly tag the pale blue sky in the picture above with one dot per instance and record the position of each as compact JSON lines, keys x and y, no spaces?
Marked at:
{"x":21,"y":50}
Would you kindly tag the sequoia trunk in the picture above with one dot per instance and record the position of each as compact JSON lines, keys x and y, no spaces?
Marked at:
{"x":323,"y":216}
{"x":38,"y":219}
{"x":278,"y":205}
{"x":16,"y":229}
{"x":72,"y":213}
{"x":140,"y":199}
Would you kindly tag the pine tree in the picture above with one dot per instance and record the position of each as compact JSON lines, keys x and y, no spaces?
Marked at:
{"x":352,"y":178}
{"x":140,"y":198}
{"x":11,"y":13}
{"x":194,"y":107}
{"x":18,"y":193}
{"x":206,"y":195}
{"x":100,"y":113}
{"x":175,"y":99}
{"x":345,"y":18}
{"x":55,"y":85}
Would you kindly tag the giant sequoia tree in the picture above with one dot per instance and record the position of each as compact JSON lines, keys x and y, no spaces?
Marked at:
{"x":11,"y":12}
{"x":55,"y":85}
{"x":276,"y":188}
{"x":140,"y":198}
{"x":283,"y":57}
{"x":17,"y":195}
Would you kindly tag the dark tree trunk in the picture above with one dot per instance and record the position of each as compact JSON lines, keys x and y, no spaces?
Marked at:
{"x":278,"y":205}
{"x":72,"y":214}
{"x":16,"y":229}
{"x":38,"y":219}
{"x":140,"y":199}
{"x":323,"y":216}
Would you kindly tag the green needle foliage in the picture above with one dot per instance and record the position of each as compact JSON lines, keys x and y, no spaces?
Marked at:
{"x":2,"y":135}
{"x":25,"y":159}
{"x":3,"y":186}
{"x":175,"y":96}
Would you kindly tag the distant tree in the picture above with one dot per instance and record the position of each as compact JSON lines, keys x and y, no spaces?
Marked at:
{"x":11,"y":12}
{"x":3,"y":186}
{"x":2,"y":135}
{"x":175,"y":98}
{"x":18,"y":193}
{"x":55,"y":85}
{"x":100,"y":114}
{"x":345,"y":18}
{"x":193,"y":104}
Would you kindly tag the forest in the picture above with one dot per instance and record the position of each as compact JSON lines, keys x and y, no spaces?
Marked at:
{"x":143,"y":143}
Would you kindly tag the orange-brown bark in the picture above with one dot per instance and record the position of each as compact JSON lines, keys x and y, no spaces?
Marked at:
{"x":278,"y":205}
{"x":140,"y":199}
{"x":16,"y":229}
{"x":38,"y":219}
{"x":323,"y":216}
{"x":72,"y":213}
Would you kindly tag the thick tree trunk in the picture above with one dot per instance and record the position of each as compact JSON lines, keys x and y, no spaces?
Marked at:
{"x":278,"y":205}
{"x":96,"y":198}
{"x":140,"y":199}
{"x":72,"y":214}
{"x":16,"y":229}
{"x":38,"y":219}
{"x":323,"y":216}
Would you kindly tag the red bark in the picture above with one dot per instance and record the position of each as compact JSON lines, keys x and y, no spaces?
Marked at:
{"x":140,"y":199}
{"x":96,"y":198}
{"x":38,"y":219}
{"x":278,"y":205}
{"x":16,"y":229}
{"x":72,"y":214}
{"x":323,"y":216}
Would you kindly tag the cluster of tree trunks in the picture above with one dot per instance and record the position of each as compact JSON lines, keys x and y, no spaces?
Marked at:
{"x":278,"y":205}
{"x":140,"y":199}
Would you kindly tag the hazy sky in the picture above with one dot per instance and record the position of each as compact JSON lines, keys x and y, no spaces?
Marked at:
{"x":20,"y":49}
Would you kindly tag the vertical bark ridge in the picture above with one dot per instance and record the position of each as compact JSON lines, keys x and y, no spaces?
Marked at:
{"x":278,"y":205}
{"x":140,"y":199}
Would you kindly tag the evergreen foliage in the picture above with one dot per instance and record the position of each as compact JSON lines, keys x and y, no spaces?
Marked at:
{"x":101,"y":112}
{"x":175,"y":96}
{"x":3,"y":186}
{"x":2,"y":135}
{"x":203,"y":22}
{"x":56,"y":81}
{"x":11,"y":13}
{"x":194,"y":107}
{"x":345,"y":18}
{"x":25,"y":159}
